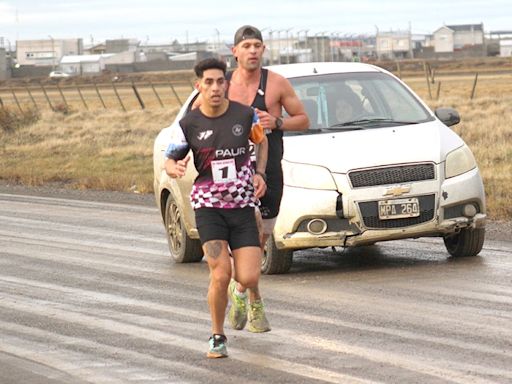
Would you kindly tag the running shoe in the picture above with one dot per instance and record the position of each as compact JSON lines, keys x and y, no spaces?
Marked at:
{"x":257,"y":319}
{"x":217,"y":347}
{"x":238,"y":312}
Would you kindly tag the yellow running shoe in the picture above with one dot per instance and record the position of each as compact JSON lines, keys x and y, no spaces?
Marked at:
{"x":257,"y":320}
{"x":238,"y":312}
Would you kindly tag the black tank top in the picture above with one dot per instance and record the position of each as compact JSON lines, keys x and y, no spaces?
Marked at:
{"x":275,"y":138}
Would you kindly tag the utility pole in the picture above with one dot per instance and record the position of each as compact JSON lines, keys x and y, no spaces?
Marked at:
{"x":305,"y":40}
{"x":53,"y":52}
{"x":270,"y":46}
{"x":218,"y":40}
{"x":288,"y":50}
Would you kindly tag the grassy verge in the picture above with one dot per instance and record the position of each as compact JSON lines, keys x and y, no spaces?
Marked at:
{"x":99,"y":150}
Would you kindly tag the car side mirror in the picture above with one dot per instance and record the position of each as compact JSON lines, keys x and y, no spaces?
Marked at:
{"x":448,"y":116}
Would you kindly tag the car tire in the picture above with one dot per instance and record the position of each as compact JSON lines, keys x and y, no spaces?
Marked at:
{"x":468,"y":242}
{"x":183,"y":249}
{"x":275,"y":261}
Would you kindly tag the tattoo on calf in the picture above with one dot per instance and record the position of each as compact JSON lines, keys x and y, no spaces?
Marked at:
{"x":213,"y":248}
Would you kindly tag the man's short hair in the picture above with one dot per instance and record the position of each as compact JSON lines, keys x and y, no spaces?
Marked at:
{"x":247,"y":32}
{"x":210,"y":63}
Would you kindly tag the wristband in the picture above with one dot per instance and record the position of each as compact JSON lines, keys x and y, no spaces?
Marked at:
{"x":279,"y":122}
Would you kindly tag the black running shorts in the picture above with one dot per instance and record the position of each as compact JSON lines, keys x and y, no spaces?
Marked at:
{"x":237,"y":226}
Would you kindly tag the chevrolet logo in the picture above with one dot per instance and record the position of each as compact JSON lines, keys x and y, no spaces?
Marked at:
{"x":397,"y":190}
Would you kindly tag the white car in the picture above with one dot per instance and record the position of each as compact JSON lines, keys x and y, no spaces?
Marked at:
{"x":376,"y":165}
{"x":58,"y":75}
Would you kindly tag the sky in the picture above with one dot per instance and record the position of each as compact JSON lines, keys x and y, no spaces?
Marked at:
{"x":163,"y":21}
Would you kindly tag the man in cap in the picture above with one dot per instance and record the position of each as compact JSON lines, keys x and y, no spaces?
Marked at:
{"x":267,"y":92}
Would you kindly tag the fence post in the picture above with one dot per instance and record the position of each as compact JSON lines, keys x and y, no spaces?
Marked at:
{"x":474,"y":86}
{"x":16,"y":99}
{"x":156,"y":94}
{"x":82,"y":97}
{"x":137,"y":95}
{"x":175,"y":94}
{"x":118,"y":97}
{"x":426,"y":77}
{"x":99,"y":95}
{"x":398,"y":69}
{"x":32,"y":98}
{"x":46,"y":96}
{"x":62,"y":95}
{"x":438,"y":90}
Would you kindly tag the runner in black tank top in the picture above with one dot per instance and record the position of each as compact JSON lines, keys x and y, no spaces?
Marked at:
{"x":272,"y":200}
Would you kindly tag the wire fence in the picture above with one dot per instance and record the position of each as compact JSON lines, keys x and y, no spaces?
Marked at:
{"x":96,"y":96}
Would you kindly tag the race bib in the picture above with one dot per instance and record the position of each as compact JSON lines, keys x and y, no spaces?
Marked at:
{"x":223,"y":171}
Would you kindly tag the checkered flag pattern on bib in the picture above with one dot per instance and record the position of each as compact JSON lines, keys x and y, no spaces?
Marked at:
{"x":234,"y":194}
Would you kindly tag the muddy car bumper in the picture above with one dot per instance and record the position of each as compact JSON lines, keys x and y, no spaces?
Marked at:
{"x":301,"y":240}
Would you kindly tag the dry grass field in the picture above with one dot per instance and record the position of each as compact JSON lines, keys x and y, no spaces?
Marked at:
{"x":110,"y":149}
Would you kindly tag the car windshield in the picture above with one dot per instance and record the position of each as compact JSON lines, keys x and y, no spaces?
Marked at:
{"x":363,"y":100}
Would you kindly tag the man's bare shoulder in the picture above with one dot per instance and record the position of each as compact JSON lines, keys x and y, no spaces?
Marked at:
{"x":276,"y":77}
{"x":278,"y":83}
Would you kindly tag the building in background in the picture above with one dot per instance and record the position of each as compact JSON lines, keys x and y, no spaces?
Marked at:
{"x":5,"y":67}
{"x":121,"y":45}
{"x":506,"y":48}
{"x":451,"y":41}
{"x":47,"y":52}
{"x":394,"y":45}
{"x":76,"y":65}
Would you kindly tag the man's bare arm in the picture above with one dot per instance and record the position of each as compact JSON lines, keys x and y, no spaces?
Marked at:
{"x":297,"y":119}
{"x":260,"y":184}
{"x":262,"y":155}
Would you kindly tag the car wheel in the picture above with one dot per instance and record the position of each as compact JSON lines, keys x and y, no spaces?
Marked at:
{"x":275,"y":261}
{"x":183,"y":249}
{"x":468,"y":242}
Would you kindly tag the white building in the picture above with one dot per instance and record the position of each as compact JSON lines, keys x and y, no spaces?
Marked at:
{"x":84,"y":64}
{"x":506,"y":48}
{"x":46,"y":52}
{"x":394,"y":45}
{"x":449,"y":38}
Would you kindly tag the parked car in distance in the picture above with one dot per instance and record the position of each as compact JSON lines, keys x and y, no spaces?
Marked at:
{"x":375,"y":165}
{"x":58,"y":75}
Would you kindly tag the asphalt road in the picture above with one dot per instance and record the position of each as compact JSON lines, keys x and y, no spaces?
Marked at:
{"x":88,"y":294}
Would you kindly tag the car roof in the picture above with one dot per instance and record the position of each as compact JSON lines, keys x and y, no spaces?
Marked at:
{"x":312,"y":69}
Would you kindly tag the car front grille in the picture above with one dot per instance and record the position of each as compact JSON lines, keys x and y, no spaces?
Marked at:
{"x":370,"y":213}
{"x":392,"y":175}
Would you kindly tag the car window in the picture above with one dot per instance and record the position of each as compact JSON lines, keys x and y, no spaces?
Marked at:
{"x":336,"y":100}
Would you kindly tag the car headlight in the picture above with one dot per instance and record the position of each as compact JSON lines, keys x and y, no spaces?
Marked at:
{"x":459,"y":161}
{"x":307,"y":176}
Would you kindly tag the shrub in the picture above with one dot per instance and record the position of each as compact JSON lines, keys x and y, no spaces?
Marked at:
{"x":62,"y":108}
{"x":10,"y":120}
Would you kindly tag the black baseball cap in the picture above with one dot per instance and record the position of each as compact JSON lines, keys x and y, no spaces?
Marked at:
{"x":247,"y":32}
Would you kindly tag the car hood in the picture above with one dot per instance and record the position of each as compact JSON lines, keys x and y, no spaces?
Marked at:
{"x":344,"y":151}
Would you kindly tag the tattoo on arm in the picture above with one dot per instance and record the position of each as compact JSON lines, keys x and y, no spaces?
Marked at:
{"x":213,"y":248}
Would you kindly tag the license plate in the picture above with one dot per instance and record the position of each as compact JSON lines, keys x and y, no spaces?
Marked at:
{"x":399,"y":208}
